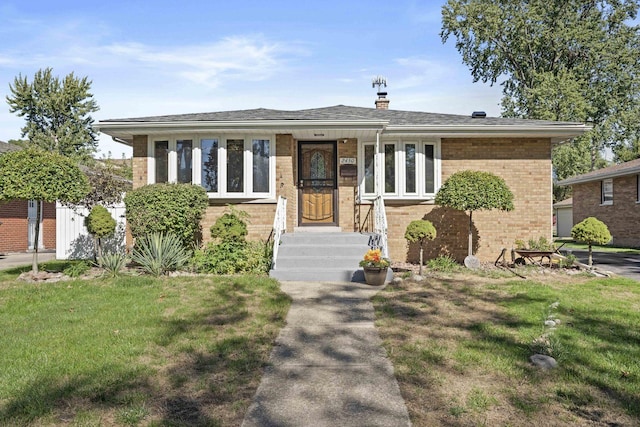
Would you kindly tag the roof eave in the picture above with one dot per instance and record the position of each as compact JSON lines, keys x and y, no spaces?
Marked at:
{"x":557,"y":134}
{"x":600,"y":177}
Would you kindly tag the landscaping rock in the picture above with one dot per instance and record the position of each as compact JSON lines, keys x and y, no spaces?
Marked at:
{"x":417,"y":278}
{"x":397,"y":280}
{"x":42,"y":276}
{"x":543,"y":361}
{"x":550,"y":323}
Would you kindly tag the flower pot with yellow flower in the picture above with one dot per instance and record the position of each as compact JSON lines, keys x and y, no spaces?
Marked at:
{"x":375,"y":267}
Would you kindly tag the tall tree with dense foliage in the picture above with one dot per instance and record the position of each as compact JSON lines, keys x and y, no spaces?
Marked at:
{"x":42,"y":176}
{"x":570,"y":60}
{"x":474,"y":191}
{"x":57,"y":113}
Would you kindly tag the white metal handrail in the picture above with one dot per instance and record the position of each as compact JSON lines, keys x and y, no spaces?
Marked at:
{"x":380,"y":224}
{"x":279,"y":227}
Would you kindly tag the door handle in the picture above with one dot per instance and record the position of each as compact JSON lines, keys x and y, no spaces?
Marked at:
{"x":301,"y":183}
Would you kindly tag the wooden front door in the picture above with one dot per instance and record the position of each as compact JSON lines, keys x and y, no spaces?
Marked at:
{"x":317,"y":183}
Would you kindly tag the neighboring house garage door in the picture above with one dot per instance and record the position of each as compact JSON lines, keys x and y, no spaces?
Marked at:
{"x":564,"y":221}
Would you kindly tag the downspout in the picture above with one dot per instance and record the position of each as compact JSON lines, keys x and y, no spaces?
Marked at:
{"x":378,"y":169}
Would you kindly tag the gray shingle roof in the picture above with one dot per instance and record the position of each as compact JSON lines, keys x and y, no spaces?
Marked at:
{"x":628,"y":168}
{"x":340,"y":113}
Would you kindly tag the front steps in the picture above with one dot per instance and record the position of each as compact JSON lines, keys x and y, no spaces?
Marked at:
{"x":321,"y":257}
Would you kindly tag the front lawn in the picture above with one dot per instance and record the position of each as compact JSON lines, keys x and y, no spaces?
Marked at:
{"x":460,"y":346}
{"x":135,"y":350}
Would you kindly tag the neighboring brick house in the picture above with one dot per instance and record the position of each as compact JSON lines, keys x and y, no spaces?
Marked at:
{"x":323,"y":161}
{"x":612,"y":195}
{"x":18,"y":218}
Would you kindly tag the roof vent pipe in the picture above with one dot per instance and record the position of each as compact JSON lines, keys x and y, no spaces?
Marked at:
{"x":478,"y":115}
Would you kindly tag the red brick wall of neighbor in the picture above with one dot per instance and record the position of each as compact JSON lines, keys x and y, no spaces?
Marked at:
{"x":15,"y":225}
{"x":622,"y":218}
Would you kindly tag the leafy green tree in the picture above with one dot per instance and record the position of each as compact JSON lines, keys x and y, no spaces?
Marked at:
{"x":571,"y":60}
{"x":473,"y":191}
{"x":57,"y":113}
{"x":100,"y":224}
{"x":107,"y":186}
{"x":591,"y":231}
{"x":570,"y":159}
{"x":420,"y":231}
{"x":43,"y":176}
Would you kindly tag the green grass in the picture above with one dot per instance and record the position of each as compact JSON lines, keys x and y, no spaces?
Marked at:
{"x":570,"y":244}
{"x":467,"y":340}
{"x":134,"y":350}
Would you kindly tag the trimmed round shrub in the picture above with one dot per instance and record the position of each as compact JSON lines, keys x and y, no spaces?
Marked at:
{"x":167,"y":208}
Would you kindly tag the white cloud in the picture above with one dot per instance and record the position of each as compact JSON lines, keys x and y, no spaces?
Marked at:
{"x":239,"y":57}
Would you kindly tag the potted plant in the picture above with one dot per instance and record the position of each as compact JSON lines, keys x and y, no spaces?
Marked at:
{"x":375,"y":267}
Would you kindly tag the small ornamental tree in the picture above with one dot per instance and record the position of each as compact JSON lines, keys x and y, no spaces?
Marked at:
{"x":100,"y":224}
{"x":420,"y":231}
{"x":475,"y":191}
{"x":167,"y":208}
{"x":591,"y":231}
{"x":42,"y":176}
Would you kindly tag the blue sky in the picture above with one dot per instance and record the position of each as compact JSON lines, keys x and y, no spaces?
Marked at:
{"x":170,"y":57}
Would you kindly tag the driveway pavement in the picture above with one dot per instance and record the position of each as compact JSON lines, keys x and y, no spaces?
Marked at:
{"x":627,"y":265}
{"x":19,"y":259}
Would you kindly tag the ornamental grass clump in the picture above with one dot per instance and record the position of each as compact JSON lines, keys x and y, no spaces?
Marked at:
{"x":373,"y":258}
{"x":159,"y":253}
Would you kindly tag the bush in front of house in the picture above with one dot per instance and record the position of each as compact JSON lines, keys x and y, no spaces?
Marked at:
{"x":167,"y":208}
{"x":100,"y":224}
{"x":419,"y":231}
{"x":230,"y":252}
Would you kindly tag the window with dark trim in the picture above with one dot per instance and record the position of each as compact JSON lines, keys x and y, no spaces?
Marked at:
{"x":606,"y":187}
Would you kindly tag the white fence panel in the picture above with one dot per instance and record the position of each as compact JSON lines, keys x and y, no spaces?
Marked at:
{"x":73,"y":240}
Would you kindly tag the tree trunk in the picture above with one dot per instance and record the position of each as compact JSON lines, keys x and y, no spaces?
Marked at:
{"x":36,"y":243}
{"x":590,"y":262}
{"x":470,"y":234}
{"x":421,"y":252}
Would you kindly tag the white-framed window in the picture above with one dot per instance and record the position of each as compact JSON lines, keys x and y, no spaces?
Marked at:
{"x":227,"y":166}
{"x":410,"y":169}
{"x":606,"y":187}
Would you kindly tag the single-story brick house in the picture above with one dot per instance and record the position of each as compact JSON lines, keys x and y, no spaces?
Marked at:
{"x":18,"y":220}
{"x":323,"y":160}
{"x":612,"y":195}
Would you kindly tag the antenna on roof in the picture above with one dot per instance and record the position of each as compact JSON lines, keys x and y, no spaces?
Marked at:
{"x":382,"y":103}
{"x":379,"y":81}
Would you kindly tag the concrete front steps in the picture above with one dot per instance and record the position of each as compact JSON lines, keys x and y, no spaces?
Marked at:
{"x":321,"y":257}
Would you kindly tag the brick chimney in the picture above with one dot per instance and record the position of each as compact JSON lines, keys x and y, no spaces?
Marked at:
{"x":382,"y":103}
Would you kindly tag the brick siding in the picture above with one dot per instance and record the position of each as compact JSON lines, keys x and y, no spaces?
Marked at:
{"x":622,"y":217}
{"x":525,"y":164}
{"x":15,"y":226}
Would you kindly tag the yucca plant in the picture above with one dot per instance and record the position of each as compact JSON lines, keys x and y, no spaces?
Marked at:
{"x":112,"y":262}
{"x":159,"y":253}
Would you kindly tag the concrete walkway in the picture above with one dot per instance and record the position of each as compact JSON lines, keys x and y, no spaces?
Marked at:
{"x":328,"y":367}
